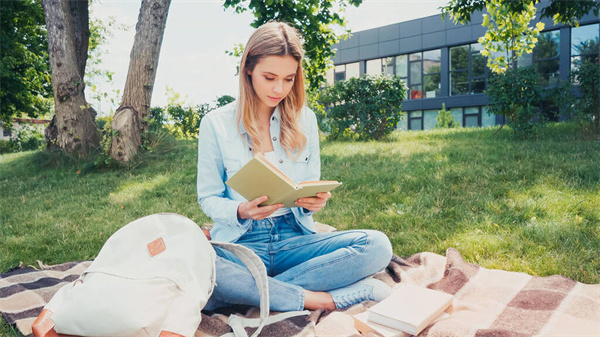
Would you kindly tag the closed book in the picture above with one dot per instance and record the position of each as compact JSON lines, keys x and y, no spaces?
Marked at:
{"x":261,"y":177}
{"x":410,"y":308}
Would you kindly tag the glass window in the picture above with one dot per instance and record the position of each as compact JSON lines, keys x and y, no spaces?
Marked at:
{"x":416,"y":92}
{"x":584,"y":40}
{"x":472,"y":117}
{"x":330,"y":76}
{"x":432,"y":61}
{"x":546,"y":57}
{"x":6,"y":132}
{"x":459,"y":57}
{"x":374,"y":67}
{"x":402,"y":66}
{"x":388,"y":66}
{"x":415,"y":120}
{"x":468,"y":70}
{"x":415,"y":73}
{"x":415,"y":57}
{"x":584,"y":44}
{"x":352,"y":70}
{"x":459,"y":82}
{"x":340,"y":73}
{"x":432,"y":85}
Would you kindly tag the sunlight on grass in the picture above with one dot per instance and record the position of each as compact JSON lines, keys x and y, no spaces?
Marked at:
{"x":133,"y":190}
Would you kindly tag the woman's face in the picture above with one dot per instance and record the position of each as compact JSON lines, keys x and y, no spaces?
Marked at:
{"x":272,"y":79}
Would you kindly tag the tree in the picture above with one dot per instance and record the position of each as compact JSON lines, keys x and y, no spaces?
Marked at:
{"x":73,"y":128}
{"x":24,"y":65}
{"x":132,"y":117}
{"x":367,"y":106}
{"x":567,"y":12}
{"x":314,"y":19}
{"x":508,"y":35}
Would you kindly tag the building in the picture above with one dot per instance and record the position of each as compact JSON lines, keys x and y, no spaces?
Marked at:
{"x":441,"y":64}
{"x":22,"y":124}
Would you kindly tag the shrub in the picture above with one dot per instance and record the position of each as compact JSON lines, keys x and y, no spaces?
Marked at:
{"x":445,"y":119}
{"x":587,"y":107}
{"x":516,"y":95}
{"x":27,"y":138}
{"x":367,"y":107}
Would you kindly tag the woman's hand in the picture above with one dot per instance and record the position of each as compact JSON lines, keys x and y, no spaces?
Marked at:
{"x":314,"y":204}
{"x":251,"y":210}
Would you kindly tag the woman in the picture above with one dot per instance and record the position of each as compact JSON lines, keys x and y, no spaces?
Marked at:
{"x":306,"y":269}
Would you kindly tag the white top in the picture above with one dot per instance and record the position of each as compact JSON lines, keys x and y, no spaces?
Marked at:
{"x":283,"y":210}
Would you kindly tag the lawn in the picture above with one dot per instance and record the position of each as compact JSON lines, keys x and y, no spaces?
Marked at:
{"x":523,"y":205}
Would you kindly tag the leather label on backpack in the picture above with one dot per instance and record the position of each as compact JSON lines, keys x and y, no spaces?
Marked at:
{"x":156,"y":247}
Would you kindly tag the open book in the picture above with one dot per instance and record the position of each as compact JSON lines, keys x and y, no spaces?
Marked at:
{"x":261,"y":177}
{"x":410,"y":308}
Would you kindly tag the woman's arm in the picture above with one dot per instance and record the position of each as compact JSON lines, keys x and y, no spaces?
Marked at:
{"x":211,"y":179}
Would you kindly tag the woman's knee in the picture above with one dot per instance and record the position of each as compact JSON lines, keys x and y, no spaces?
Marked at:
{"x":379,"y":248}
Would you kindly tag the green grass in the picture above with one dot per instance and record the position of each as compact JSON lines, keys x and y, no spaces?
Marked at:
{"x":523,"y":205}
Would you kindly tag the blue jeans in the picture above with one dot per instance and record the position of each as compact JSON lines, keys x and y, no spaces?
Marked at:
{"x":295,"y":261}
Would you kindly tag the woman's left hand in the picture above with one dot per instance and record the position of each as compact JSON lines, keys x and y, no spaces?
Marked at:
{"x":314,"y":204}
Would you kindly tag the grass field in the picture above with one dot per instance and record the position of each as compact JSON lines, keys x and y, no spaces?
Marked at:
{"x":523,"y":205}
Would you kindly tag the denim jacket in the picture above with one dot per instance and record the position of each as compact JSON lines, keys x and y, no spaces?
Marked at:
{"x":222,"y":152}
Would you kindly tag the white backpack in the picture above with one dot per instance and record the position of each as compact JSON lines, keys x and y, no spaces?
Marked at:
{"x":152,"y":278}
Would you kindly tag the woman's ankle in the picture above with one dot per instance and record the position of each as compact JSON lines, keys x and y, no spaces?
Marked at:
{"x":314,"y":300}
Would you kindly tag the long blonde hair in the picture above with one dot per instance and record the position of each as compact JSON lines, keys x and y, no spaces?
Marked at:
{"x":273,"y":39}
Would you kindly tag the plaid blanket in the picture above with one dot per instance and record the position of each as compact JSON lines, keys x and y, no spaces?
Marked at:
{"x":487,"y":302}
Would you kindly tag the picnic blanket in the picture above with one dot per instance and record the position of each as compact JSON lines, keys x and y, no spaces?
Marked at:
{"x":487,"y":302}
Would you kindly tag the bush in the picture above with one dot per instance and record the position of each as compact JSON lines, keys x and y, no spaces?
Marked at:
{"x":445,"y":119}
{"x":27,"y":138}
{"x":367,"y":107}
{"x":587,"y":107}
{"x":516,"y":95}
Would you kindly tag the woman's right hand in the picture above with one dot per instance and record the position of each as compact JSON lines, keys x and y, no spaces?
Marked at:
{"x":251,"y":210}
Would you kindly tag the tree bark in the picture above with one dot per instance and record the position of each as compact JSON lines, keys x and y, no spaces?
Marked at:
{"x":73,"y":128}
{"x":131,"y":118}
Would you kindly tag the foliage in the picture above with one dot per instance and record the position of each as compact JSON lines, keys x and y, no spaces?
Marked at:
{"x":587,"y":75}
{"x":508,"y":34}
{"x":585,"y":106}
{"x":316,"y":20}
{"x":445,"y":119}
{"x":567,"y":12}
{"x":24,"y":63}
{"x":183,"y":120}
{"x":516,"y":95}
{"x":367,"y":106}
{"x":27,"y":138}
{"x":100,"y":32}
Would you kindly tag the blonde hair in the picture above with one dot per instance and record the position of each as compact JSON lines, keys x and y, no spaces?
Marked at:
{"x":273,"y":39}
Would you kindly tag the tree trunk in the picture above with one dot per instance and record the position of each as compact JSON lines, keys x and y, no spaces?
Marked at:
{"x":131,"y":119}
{"x":73,"y":128}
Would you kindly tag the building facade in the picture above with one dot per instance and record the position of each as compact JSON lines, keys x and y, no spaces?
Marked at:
{"x":441,"y":64}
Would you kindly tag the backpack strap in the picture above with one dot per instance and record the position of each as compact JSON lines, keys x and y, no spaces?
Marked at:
{"x":259,"y":272}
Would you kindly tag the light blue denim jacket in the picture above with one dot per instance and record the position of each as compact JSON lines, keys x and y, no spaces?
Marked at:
{"x":222,"y":152}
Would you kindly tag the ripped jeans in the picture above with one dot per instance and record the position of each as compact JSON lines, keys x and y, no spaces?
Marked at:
{"x":295,"y":261}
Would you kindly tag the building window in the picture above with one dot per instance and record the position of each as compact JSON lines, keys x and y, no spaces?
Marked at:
{"x":546,"y":57}
{"x":471,"y":117}
{"x":421,"y":72}
{"x":340,"y":73}
{"x":346,"y":71}
{"x":352,"y":70}
{"x":468,"y":71}
{"x":584,"y":44}
{"x":6,"y":132}
{"x":415,"y":120}
{"x":387,"y":66}
{"x":373,"y":67}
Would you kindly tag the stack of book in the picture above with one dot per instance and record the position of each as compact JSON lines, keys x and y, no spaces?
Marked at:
{"x":407,"y":311}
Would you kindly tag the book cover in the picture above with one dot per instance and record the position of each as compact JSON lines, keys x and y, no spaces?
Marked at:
{"x":261,"y":177}
{"x":362,"y":324}
{"x":410,"y":308}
